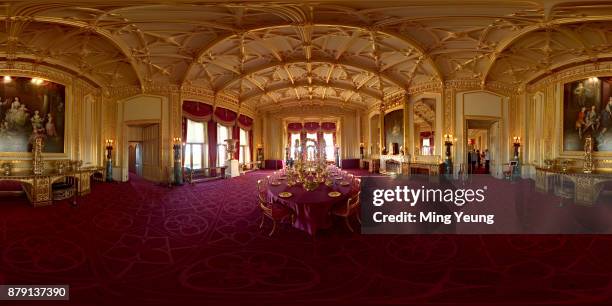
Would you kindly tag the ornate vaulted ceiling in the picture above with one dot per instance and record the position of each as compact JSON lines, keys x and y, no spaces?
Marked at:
{"x":349,"y":53}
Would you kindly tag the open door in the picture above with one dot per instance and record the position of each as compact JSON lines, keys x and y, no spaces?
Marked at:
{"x":482,"y":146}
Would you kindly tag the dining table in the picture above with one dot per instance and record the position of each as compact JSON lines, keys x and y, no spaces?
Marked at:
{"x":313,"y":208}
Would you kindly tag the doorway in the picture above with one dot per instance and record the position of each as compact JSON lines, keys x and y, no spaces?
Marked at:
{"x":143,"y":152}
{"x":135,"y":158}
{"x":482,"y":146}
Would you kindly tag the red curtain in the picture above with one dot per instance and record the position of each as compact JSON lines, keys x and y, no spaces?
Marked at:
{"x":184,"y":138}
{"x":251,"y":145}
{"x":212,"y":147}
{"x":236,"y":135}
{"x":320,"y":141}
{"x":303,"y":144}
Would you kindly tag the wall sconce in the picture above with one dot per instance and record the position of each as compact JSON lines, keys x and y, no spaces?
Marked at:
{"x":517,"y":143}
{"x":109,"y":149}
{"x":449,"y":138}
{"x":7,"y":79}
{"x":361,"y":146}
{"x":448,"y":161}
{"x":178,"y":167}
{"x":109,"y":160}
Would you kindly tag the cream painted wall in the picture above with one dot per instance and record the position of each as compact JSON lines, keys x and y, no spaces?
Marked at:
{"x":374,"y":127}
{"x":90,"y":144}
{"x":350,"y":136}
{"x":482,"y":103}
{"x":273,"y":138}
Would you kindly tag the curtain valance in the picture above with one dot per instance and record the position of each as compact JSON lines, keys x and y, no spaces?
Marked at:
{"x":225,"y":116}
{"x":197,"y":111}
{"x":311,"y":127}
{"x":328,"y":126}
{"x":294,"y":127}
{"x":245,"y":122}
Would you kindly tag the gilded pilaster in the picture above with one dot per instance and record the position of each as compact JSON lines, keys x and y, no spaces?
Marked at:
{"x":449,"y":95}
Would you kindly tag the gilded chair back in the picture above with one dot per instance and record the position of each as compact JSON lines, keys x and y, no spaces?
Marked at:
{"x":353,"y":201}
{"x":357,"y":184}
{"x":262,"y":189}
{"x":264,"y":205}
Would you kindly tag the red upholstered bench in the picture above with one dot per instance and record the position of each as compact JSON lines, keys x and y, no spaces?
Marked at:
{"x":10,"y":186}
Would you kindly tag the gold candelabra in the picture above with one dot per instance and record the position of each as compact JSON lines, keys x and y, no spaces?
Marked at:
{"x":588,"y":155}
{"x":38,"y":164}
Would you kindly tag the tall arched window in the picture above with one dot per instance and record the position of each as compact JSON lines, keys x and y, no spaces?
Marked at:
{"x":196,"y":146}
{"x":294,"y":137}
{"x":245,"y":151}
{"x":223,"y":133}
{"x":329,"y":146}
{"x":310,"y":146}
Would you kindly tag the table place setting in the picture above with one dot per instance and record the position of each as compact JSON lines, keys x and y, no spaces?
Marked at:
{"x":334,"y":194}
{"x":285,"y":194}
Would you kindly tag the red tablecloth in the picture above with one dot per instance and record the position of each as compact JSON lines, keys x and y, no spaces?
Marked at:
{"x":312,"y":208}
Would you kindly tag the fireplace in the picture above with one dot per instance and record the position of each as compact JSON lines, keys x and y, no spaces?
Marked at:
{"x":392,"y":166}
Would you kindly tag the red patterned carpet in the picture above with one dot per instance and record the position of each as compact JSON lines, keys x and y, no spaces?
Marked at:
{"x":145,"y":244}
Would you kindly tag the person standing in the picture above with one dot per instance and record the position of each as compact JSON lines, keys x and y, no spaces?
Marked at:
{"x":474,"y":160}
{"x":606,"y":117}
{"x":478,"y":159}
{"x":580,"y":121}
{"x":591,"y":120}
{"x":487,"y":159}
{"x":469,"y":161}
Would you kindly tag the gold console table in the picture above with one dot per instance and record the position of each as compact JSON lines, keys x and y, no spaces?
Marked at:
{"x":587,"y":186}
{"x":39,"y":189}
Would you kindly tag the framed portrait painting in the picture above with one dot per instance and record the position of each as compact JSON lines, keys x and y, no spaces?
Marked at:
{"x":587,"y":111}
{"x":28,"y":107}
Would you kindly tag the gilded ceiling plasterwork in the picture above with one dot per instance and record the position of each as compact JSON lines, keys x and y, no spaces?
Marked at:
{"x":265,"y":54}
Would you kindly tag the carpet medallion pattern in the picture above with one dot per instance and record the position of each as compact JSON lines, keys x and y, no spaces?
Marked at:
{"x":144,"y":244}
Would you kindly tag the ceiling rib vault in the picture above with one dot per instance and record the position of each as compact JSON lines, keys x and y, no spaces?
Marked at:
{"x":354,"y":53}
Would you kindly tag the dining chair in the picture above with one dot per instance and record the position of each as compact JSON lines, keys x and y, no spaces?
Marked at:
{"x":507,"y":170}
{"x":357,"y":184}
{"x":275,"y":212}
{"x":262,"y":187}
{"x":350,"y":208}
